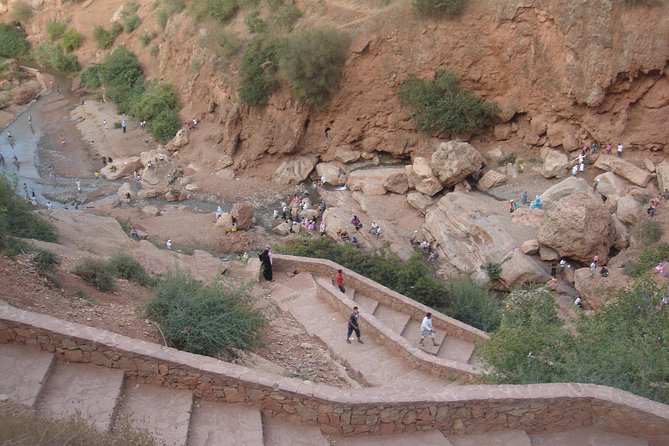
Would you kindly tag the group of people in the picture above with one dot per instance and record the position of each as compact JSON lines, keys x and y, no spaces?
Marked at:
{"x":534,"y":204}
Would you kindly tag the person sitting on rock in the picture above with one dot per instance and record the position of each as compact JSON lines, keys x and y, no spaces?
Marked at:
{"x":604,"y":271}
{"x":659,"y":268}
{"x":355,"y":221}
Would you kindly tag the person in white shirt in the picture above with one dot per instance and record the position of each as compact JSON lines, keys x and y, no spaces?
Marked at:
{"x":169,"y":244}
{"x":426,"y":330}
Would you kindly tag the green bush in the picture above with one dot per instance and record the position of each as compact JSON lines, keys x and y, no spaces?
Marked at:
{"x":647,"y":232}
{"x":131,"y":23}
{"x":494,"y":270}
{"x":13,"y":42}
{"x":286,"y":16}
{"x":116,"y":29}
{"x":206,"y":319}
{"x":155,"y":49}
{"x":460,"y":297}
{"x":254,"y":23}
{"x":167,"y":9}
{"x":126,"y":267}
{"x":650,"y":256}
{"x":122,"y":77}
{"x":431,"y":8}
{"x":258,"y":70}
{"x":22,"y":11}
{"x":19,"y":220}
{"x":45,"y":260}
{"x":158,"y":105}
{"x":312,"y":62}
{"x":90,"y":77}
{"x":219,"y":10}
{"x":71,"y":40}
{"x":97,"y":273}
{"x":103,"y":38}
{"x":145,"y":38}
{"x":440,"y":105}
{"x":55,"y":29}
{"x":52,"y":56}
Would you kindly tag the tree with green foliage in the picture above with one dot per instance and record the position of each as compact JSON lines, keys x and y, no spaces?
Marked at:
{"x":212,"y":319}
{"x":312,"y":63}
{"x":440,"y":105}
{"x":254,"y":23}
{"x":258,"y":70}
{"x":71,"y":40}
{"x":123,"y":79}
{"x":13,"y":42}
{"x":52,"y":56}
{"x":625,"y":344}
{"x":219,"y":10}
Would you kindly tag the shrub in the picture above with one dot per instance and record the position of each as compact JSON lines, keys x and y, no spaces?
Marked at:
{"x":122,"y":77}
{"x":45,"y":260}
{"x":13,"y":42}
{"x":312,"y":62}
{"x":219,"y":10}
{"x":90,"y":77}
{"x":650,"y":256}
{"x":21,"y":11}
{"x":131,"y":23}
{"x":116,"y":29}
{"x":430,"y":8}
{"x":258,"y":70}
{"x":494,"y":270}
{"x":55,"y":29}
{"x":71,"y":40}
{"x":207,"y":319}
{"x":145,"y":38}
{"x":473,"y":303}
{"x":103,"y":38}
{"x":648,"y":232}
{"x":97,"y":273}
{"x":440,"y":105}
{"x":155,"y":50}
{"x":254,"y":23}
{"x":51,"y":55}
{"x":287,"y":16}
{"x":126,"y":267}
{"x":158,"y":105}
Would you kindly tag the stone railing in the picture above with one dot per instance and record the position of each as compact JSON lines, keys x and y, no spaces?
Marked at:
{"x":411,"y":354}
{"x":454,"y":410}
{"x":383,"y":295}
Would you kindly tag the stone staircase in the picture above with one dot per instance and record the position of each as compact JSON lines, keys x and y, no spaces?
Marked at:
{"x":103,"y":397}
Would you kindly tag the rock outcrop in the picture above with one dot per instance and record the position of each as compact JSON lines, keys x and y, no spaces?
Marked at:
{"x":623,"y":168}
{"x":453,"y":161}
{"x":564,"y":188}
{"x":243,"y":213}
{"x":421,"y":177}
{"x":577,"y":227}
{"x":121,"y":168}
{"x":379,"y":181}
{"x":555,"y":164}
{"x":331,"y":173}
{"x":596,"y":290}
{"x":490,"y":179}
{"x":294,"y":170}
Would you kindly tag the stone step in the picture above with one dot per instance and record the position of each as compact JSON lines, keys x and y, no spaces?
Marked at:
{"x":392,"y":319}
{"x":431,"y":438}
{"x":164,"y":413}
{"x":23,"y":371}
{"x":494,"y":438}
{"x":456,"y":349}
{"x":84,"y":390}
{"x":220,"y":424}
{"x":284,"y":433}
{"x":300,"y":282}
{"x":586,"y":437}
{"x":366,"y":304}
{"x":412,"y":334}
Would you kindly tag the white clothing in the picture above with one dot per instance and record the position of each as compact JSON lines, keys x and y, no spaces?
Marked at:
{"x":581,"y":167}
{"x":574,"y":170}
{"x":578,"y":301}
{"x":169,"y":244}
{"x":620,"y":148}
{"x":426,"y":327}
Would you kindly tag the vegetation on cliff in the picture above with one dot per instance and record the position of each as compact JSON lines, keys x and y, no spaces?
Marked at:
{"x":460,"y":297}
{"x":13,"y":42}
{"x":624,"y":345}
{"x":207,"y":319}
{"x":440,"y":105}
{"x":431,"y":8}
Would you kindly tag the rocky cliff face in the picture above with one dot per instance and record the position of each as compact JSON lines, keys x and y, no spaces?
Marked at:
{"x":563,"y":73}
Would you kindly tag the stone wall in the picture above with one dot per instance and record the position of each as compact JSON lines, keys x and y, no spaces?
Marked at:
{"x":411,"y":354}
{"x":455,"y":410}
{"x":384,"y":295}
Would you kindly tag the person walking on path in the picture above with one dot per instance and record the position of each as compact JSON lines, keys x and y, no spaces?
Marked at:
{"x":266,"y":261}
{"x":620,"y":150}
{"x":353,"y":326}
{"x":169,"y":244}
{"x":124,"y":125}
{"x":426,"y":330}
{"x":593,"y":268}
{"x":10,"y":138}
{"x":104,"y":124}
{"x":78,"y":182}
{"x":554,"y":269}
{"x":340,"y":281}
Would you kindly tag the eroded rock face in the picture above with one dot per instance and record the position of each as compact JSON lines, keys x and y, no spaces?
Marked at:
{"x":555,"y":164}
{"x":295,"y":170}
{"x":453,"y":161}
{"x":623,"y":168}
{"x":577,"y":227}
{"x":422,"y":178}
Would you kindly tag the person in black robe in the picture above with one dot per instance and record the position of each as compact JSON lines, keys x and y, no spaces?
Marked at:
{"x":266,"y":261}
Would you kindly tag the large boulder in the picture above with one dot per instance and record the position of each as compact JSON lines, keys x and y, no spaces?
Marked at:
{"x":490,"y":179}
{"x":379,"y":181}
{"x":562,"y":133}
{"x":180,"y":140}
{"x":121,"y":168}
{"x":346,"y":154}
{"x":244,"y":215}
{"x":518,"y":267}
{"x":577,"y":227}
{"x":331,"y":173}
{"x":609,"y":184}
{"x":662,"y":170}
{"x":125,"y":193}
{"x":422,"y":178}
{"x":625,"y":169}
{"x":473,"y":229}
{"x":419,"y":201}
{"x":294,"y":171}
{"x":453,"y":161}
{"x":564,"y":188}
{"x":555,"y":164}
{"x":629,"y":210}
{"x":620,"y":237}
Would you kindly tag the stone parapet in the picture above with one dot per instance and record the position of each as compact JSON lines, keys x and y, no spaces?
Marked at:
{"x":384,"y":295}
{"x":454,"y":410}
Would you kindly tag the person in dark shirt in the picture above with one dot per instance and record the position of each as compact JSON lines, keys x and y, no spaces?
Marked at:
{"x":353,"y":326}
